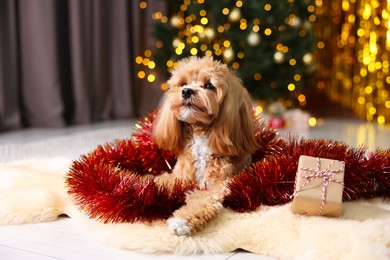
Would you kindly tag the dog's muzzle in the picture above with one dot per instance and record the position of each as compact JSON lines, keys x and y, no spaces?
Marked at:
{"x":187,"y":93}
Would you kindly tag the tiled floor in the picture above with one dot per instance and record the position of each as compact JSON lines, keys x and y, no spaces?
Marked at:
{"x":65,"y":239}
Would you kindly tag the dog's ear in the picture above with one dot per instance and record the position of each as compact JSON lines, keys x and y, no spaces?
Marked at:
{"x":167,"y":130}
{"x":233,"y":132}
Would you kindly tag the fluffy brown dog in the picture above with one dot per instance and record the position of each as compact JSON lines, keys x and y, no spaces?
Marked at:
{"x":206,"y":119}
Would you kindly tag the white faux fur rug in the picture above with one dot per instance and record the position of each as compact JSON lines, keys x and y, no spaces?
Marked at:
{"x":33,"y":190}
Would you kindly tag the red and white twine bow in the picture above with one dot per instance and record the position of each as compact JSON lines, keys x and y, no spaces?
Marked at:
{"x":327,"y":176}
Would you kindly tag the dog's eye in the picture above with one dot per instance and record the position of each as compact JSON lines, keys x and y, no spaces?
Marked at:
{"x":209,"y":86}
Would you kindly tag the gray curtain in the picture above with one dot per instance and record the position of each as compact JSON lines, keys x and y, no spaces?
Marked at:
{"x":71,"y":61}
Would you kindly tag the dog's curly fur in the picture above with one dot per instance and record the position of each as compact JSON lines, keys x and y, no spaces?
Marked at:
{"x":206,"y":118}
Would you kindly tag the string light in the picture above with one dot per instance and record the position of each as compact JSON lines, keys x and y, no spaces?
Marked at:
{"x":267,"y":31}
{"x":159,"y":44}
{"x":291,"y":87}
{"x":204,"y":21}
{"x":145,"y":61}
{"x":360,"y":65}
{"x":257,"y":76}
{"x":312,"y":121}
{"x":243,"y":24}
{"x":164,"y":86}
{"x":297,"y":77}
{"x":235,"y":65}
{"x":151,"y":65}
{"x":148,"y":53}
{"x":143,"y":5}
{"x":138,"y":59}
{"x":151,"y":78}
{"x":141,"y":74}
{"x":225,"y":11}
{"x":194,"y":51}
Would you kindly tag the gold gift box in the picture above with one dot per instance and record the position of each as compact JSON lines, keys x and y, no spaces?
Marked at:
{"x":315,"y":178}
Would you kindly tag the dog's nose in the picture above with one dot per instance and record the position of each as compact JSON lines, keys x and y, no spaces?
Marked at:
{"x":187,"y":93}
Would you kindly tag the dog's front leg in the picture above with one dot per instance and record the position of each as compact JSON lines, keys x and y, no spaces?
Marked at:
{"x":201,"y":206}
{"x":204,"y":204}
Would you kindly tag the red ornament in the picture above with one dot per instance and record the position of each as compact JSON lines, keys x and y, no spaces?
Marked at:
{"x":114,"y":183}
{"x":277,"y":122}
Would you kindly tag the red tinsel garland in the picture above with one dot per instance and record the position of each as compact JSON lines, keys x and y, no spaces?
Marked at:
{"x":154,"y":160}
{"x":110,"y":183}
{"x":272,"y":180}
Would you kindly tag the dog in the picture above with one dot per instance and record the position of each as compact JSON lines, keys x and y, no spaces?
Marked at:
{"x":206,"y":119}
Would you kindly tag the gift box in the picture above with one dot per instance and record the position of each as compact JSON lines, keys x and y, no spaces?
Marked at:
{"x":318,"y":187}
{"x":297,"y":120}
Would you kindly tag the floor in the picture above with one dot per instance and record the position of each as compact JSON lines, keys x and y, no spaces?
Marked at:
{"x":65,"y":239}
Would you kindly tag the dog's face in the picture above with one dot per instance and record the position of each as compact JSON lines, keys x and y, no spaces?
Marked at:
{"x":204,"y":92}
{"x":197,"y":90}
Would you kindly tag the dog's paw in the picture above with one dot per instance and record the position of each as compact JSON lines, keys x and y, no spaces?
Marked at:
{"x":179,"y":226}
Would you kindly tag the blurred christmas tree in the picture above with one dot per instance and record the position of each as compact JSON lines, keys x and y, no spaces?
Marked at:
{"x":269,"y":42}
